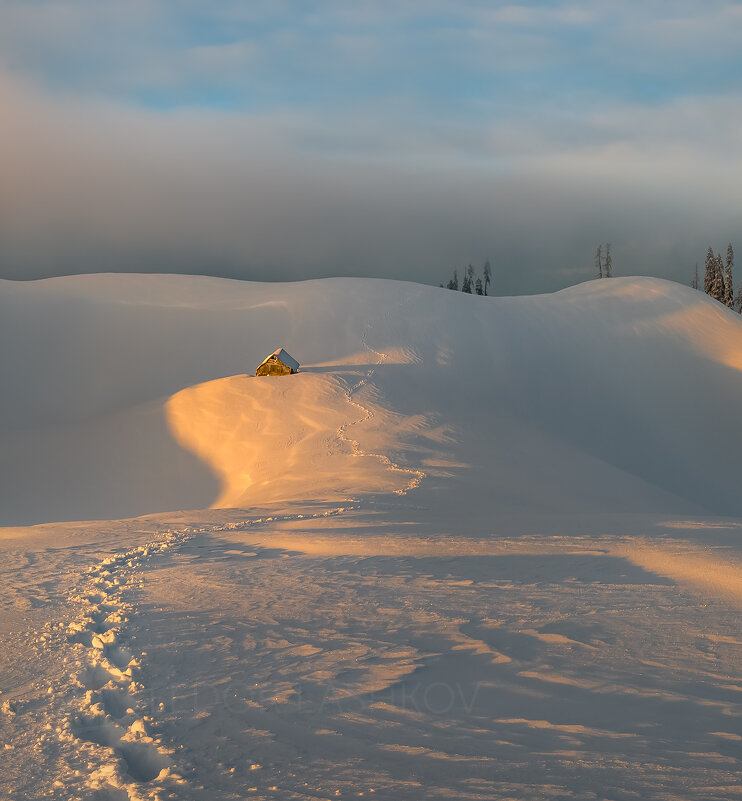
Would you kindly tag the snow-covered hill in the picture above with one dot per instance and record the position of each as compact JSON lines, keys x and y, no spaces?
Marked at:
{"x":129,"y":394}
{"x":471,"y":551}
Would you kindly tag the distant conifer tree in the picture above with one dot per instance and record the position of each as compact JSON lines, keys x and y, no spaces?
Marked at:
{"x":454,"y":282}
{"x":467,"y":285}
{"x":599,"y":261}
{"x":708,"y":278}
{"x":487,"y":275}
{"x":728,"y":279}
{"x":608,"y":261}
{"x":478,"y":286}
{"x":717,"y":286}
{"x":694,"y":282}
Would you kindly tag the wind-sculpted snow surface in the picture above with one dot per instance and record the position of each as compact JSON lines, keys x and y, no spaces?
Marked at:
{"x":335,"y":653}
{"x":133,"y":394}
{"x":87,"y":703}
{"x":476,"y":549}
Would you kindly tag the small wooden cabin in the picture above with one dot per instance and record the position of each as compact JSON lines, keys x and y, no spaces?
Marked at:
{"x":278,"y":363}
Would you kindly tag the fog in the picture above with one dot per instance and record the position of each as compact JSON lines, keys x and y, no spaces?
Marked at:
{"x":92,"y":185}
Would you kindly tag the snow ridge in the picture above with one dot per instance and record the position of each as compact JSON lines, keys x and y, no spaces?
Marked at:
{"x":416,"y":476}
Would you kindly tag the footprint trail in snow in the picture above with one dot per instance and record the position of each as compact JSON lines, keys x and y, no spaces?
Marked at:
{"x":102,"y":708}
{"x":108,"y":721}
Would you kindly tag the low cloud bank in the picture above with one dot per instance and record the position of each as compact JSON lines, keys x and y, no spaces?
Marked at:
{"x":93,"y":186}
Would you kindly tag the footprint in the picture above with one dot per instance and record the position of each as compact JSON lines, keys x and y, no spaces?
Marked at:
{"x":115,"y":703}
{"x":97,"y":627}
{"x":119,"y":657}
{"x":94,"y":677}
{"x":97,"y":730}
{"x":100,"y":612}
{"x":111,"y":794}
{"x":106,"y":588}
{"x":78,"y":632}
{"x":143,"y":762}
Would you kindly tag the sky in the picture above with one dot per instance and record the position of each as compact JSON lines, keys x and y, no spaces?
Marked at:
{"x":297,"y":139}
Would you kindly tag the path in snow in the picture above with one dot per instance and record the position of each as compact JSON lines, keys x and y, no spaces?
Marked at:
{"x":406,"y":357}
{"x":505,"y":631}
{"x":221,"y":659}
{"x":549,"y":403}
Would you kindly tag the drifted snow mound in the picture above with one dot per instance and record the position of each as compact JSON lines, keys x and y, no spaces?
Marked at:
{"x":128,"y":394}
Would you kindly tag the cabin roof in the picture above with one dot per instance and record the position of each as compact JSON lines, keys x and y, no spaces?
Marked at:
{"x":283,"y":357}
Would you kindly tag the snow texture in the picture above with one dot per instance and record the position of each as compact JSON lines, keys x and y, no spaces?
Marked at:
{"x":478,"y":548}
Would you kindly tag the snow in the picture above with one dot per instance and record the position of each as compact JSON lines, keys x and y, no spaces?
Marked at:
{"x":478,"y":548}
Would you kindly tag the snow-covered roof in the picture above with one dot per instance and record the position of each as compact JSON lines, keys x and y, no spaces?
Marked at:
{"x":283,"y":357}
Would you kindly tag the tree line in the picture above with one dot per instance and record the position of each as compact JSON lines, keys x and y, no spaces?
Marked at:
{"x":475,"y":284}
{"x":718,"y":279}
{"x":471,"y":282}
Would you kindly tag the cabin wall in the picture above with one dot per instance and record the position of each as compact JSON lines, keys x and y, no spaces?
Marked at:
{"x":273,"y":368}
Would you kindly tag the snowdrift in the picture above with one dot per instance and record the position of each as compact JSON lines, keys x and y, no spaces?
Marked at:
{"x":129,"y":394}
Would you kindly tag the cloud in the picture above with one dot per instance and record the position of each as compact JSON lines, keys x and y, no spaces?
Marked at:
{"x":90,"y":186}
{"x":451,"y":54}
{"x":540,"y":15}
{"x":287,"y":140}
